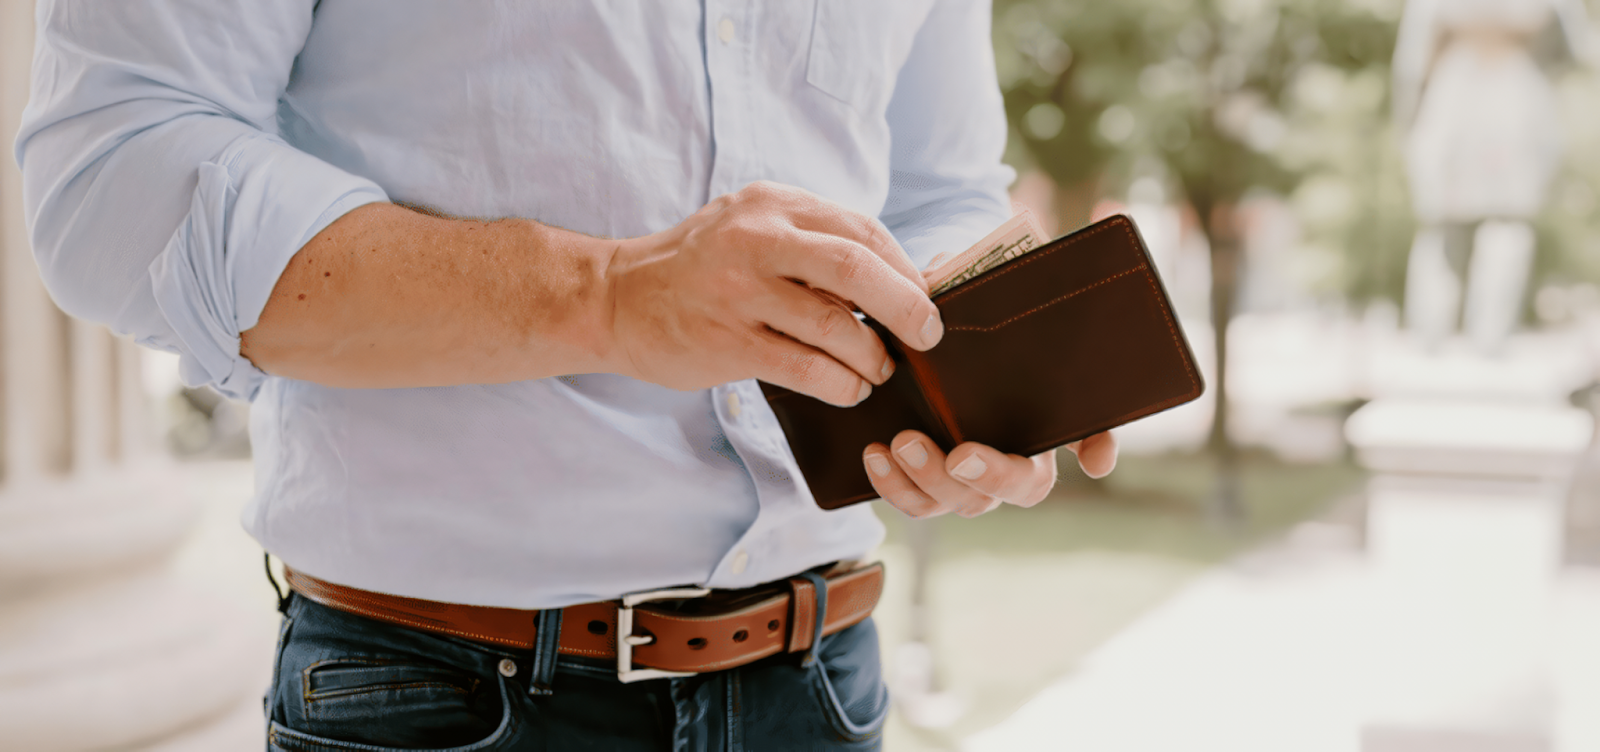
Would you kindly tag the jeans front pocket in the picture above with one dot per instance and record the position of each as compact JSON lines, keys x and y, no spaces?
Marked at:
{"x":835,"y":703}
{"x":377,"y":705}
{"x":848,"y":681}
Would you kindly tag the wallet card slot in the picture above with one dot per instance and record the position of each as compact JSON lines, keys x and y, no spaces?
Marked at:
{"x":930,"y":396}
{"x":1098,"y":270}
{"x":920,"y":389}
{"x":1090,"y":293}
{"x":1044,"y":305}
{"x":1085,"y":271}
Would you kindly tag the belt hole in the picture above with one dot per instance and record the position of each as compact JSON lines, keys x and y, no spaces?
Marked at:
{"x":741,"y":635}
{"x":697,"y":643}
{"x":597,"y":627}
{"x":772,"y":626}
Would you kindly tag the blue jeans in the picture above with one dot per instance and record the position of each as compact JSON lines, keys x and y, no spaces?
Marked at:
{"x":345,"y":682}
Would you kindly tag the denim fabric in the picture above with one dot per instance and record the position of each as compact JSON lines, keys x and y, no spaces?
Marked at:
{"x":344,"y":682}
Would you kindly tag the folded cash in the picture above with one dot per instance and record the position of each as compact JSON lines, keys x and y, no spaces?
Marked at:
{"x":1019,"y":235}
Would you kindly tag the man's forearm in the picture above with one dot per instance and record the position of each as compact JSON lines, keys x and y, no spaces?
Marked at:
{"x":388,"y":297}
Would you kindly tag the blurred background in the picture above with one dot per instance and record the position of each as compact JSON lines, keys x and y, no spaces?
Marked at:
{"x":1379,"y":221}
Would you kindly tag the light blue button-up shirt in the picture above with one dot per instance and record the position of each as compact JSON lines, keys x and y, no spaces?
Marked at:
{"x":176,"y":154}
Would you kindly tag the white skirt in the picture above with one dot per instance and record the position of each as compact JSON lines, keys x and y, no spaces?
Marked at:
{"x":1486,"y":141}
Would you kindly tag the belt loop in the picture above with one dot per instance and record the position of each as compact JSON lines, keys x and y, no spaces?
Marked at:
{"x":283,"y":597}
{"x":820,"y":587}
{"x":547,"y":636}
{"x":802,"y":613}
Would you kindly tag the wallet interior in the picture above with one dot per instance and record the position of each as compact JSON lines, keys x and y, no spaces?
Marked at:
{"x":1072,"y":339}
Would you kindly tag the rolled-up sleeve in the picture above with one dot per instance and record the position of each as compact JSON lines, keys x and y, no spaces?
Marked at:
{"x":947,"y":185}
{"x":160,"y":199}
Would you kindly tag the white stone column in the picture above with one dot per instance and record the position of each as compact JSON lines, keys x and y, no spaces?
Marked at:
{"x":1466,"y":625}
{"x":101,"y":648}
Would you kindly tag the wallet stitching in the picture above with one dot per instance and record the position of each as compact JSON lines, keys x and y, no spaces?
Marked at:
{"x":1045,"y":305}
{"x":1166,"y":314}
{"x":1177,"y":341}
{"x":1025,"y":260}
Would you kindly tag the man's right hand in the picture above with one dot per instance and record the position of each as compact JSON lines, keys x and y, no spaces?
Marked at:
{"x":732,"y":293}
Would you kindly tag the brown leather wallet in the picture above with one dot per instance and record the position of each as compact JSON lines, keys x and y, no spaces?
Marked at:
{"x":724,"y":629}
{"x":1072,"y":339}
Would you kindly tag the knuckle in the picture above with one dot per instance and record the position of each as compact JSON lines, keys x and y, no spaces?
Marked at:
{"x":1030,"y":494}
{"x":914,"y":310}
{"x":807,"y":368}
{"x":732,"y":284}
{"x":832,"y":320}
{"x":989,"y":484}
{"x":876,"y":234}
{"x":904,"y":437}
{"x":850,"y":266}
{"x":776,"y":358}
{"x":983,"y":506}
{"x":815,"y":371}
{"x":762,"y":191}
{"x":732,"y":231}
{"x":915,"y":505}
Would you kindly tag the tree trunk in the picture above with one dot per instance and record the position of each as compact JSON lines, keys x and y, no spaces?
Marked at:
{"x":1225,"y":236}
{"x":1074,"y":204}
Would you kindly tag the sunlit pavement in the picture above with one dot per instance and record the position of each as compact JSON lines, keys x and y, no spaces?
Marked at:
{"x":223,"y":561}
{"x":1453,"y":628}
{"x":1454,"y":632}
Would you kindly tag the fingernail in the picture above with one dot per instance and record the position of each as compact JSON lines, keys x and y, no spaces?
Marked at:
{"x":866,"y":389}
{"x":886,"y":370}
{"x":971,"y":468}
{"x":914,"y":454}
{"x":879,"y":464}
{"x":932,"y":330}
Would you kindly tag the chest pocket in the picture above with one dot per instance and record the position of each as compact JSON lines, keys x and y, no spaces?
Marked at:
{"x":852,"y":45}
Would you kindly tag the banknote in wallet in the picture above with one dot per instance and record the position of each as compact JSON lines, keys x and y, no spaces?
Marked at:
{"x":1045,"y":343}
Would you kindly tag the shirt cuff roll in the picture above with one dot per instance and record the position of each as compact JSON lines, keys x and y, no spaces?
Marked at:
{"x":946,"y":227}
{"x":252,"y":210}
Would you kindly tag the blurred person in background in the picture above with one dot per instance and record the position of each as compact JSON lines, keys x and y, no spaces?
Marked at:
{"x":473,"y":436}
{"x":1482,"y":145}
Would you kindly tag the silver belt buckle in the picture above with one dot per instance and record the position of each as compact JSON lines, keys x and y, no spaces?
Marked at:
{"x":627,"y":640}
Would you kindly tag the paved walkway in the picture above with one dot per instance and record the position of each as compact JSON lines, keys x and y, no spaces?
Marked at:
{"x":1453,"y":631}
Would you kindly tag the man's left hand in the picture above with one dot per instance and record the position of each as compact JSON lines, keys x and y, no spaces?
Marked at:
{"x":914,"y":476}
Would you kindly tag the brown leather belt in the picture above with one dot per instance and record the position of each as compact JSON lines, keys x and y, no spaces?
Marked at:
{"x":722,"y":629}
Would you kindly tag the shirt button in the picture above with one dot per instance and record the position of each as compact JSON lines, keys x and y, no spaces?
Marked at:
{"x":740,"y":561}
{"x":508,"y":667}
{"x":733,"y":405}
{"x":725,"y":30}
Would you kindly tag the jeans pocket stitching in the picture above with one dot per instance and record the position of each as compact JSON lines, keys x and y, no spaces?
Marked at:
{"x":828,"y":698}
{"x":307,"y":695}
{"x":301,"y":739}
{"x":334,"y":694}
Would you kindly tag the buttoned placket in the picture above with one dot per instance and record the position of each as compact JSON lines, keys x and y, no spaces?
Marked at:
{"x":749,"y":437}
{"x":729,"y":46}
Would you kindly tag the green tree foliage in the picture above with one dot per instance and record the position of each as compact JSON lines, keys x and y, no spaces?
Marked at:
{"x":1221,"y":94}
{"x":1226,"y":96}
